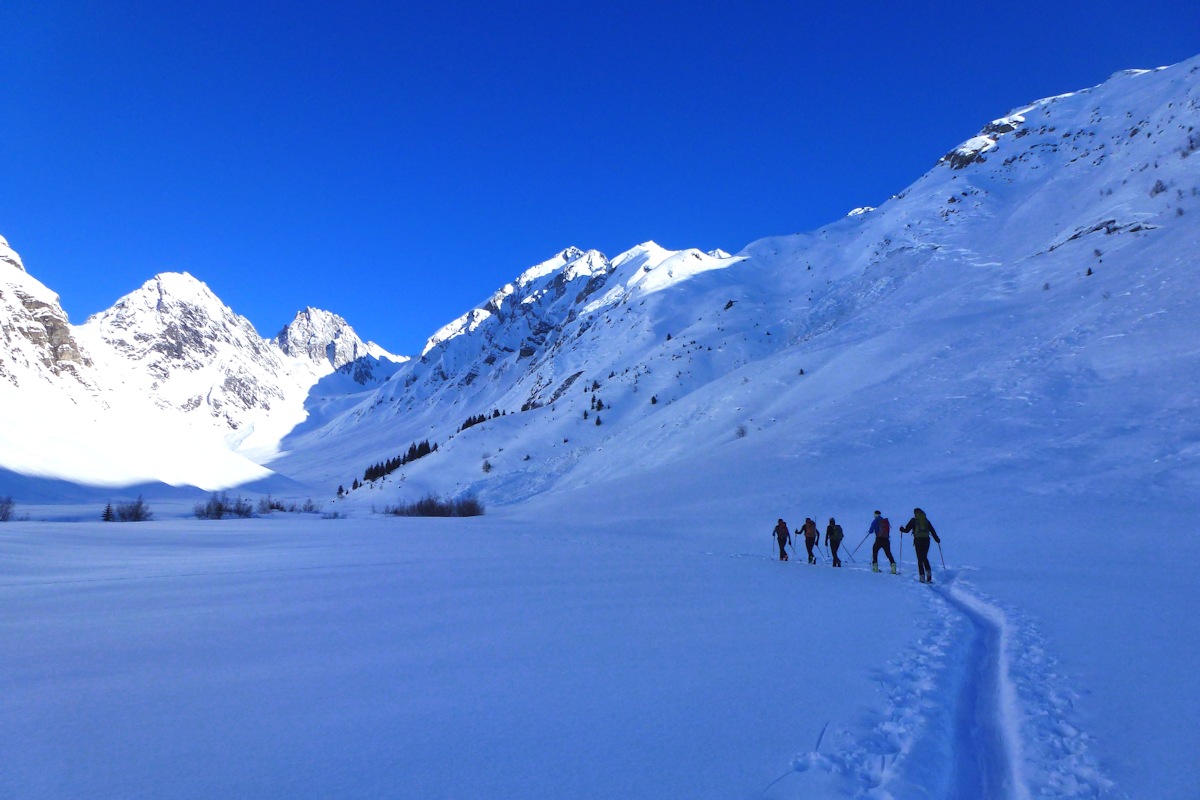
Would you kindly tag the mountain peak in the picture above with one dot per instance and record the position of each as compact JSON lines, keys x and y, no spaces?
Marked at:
{"x":324,"y":336}
{"x":9,"y":256}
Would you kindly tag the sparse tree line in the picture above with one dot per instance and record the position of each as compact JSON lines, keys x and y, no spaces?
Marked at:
{"x":377,"y":471}
{"x":220,"y":505}
{"x":480,"y":418}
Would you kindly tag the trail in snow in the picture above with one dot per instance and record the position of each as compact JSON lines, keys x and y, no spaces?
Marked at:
{"x":985,"y":737}
{"x":973,"y":711}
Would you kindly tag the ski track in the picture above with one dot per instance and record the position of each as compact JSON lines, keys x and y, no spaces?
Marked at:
{"x":974,"y":710}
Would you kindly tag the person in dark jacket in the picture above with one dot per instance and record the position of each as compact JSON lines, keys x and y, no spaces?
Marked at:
{"x":921,"y":529}
{"x":833,"y":540}
{"x":883,"y":541}
{"x":810,"y":538}
{"x":783,"y":537}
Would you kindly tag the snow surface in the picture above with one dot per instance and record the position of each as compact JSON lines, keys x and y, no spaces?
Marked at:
{"x":650,"y":650}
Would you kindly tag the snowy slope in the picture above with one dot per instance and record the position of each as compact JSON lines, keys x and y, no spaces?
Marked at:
{"x":956,"y":316}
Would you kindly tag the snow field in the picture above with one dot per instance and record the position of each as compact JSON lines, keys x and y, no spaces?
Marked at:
{"x":405,"y":658}
{"x":536,"y":652}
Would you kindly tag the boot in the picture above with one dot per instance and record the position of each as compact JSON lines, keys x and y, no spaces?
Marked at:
{"x":874,"y":566}
{"x":893,"y":567}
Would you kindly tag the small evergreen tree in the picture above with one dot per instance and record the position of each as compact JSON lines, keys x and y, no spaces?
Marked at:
{"x":108,"y":515}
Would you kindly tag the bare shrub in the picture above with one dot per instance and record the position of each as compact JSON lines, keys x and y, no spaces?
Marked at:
{"x":433,"y":506}
{"x":134,"y":511}
{"x":6,"y":508}
{"x":268,"y":504}
{"x":219,"y":506}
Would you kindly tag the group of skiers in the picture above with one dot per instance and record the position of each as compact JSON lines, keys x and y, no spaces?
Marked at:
{"x":919,"y":526}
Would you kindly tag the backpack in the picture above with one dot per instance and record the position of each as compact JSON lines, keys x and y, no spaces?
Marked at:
{"x":885,"y":528}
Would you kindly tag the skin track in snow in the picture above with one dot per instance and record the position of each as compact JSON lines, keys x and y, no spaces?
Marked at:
{"x":985,"y":740}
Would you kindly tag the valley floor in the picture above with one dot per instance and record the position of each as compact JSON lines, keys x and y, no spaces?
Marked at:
{"x":507,"y":657}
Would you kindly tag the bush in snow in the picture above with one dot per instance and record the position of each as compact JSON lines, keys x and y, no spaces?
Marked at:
{"x":432,"y":506}
{"x":268,"y":504}
{"x":219,"y":506}
{"x":6,"y":508}
{"x":135,"y":511}
{"x":741,"y":431}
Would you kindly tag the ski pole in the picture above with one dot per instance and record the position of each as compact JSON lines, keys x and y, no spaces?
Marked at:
{"x":900,"y":558}
{"x":860,"y":544}
{"x":942,"y":557}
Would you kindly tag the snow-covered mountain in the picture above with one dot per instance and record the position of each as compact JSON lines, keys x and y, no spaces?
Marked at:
{"x":1028,"y":279}
{"x":168,"y":384}
{"x":1037,"y":267}
{"x":324,"y":337}
{"x":1010,"y":343}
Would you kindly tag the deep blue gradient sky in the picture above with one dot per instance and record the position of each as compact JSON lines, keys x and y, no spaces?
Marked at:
{"x":397,"y":162}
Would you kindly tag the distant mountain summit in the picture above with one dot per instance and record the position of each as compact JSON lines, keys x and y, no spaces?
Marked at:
{"x":322,"y":336}
{"x":170,"y":351}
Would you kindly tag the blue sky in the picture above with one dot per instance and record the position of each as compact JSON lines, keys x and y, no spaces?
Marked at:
{"x":397,"y":162}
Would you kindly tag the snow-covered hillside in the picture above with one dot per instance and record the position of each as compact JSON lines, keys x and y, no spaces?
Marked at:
{"x":1012,"y":302}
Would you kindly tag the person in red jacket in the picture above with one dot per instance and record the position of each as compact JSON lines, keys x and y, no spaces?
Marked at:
{"x":883,"y":541}
{"x":809,"y":528}
{"x":784,"y":537}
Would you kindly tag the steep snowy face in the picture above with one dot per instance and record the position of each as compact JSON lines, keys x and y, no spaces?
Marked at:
{"x":547,"y":305}
{"x":39,"y":345}
{"x":327,"y":339}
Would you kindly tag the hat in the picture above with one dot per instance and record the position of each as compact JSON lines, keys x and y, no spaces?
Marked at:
{"x":878,"y":513}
